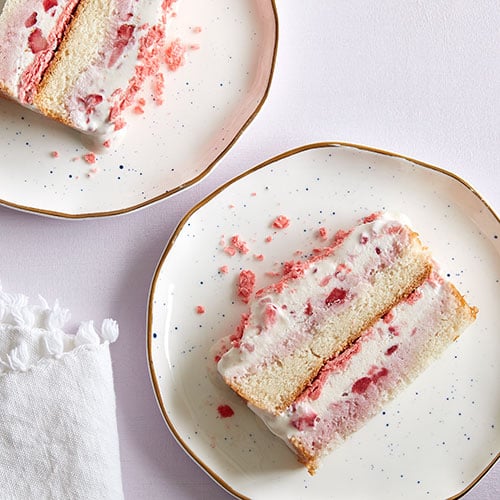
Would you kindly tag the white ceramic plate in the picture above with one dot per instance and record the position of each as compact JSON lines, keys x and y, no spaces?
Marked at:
{"x":438,"y":437}
{"x":208,"y":103}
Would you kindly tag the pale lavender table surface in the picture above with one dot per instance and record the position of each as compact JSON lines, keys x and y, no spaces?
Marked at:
{"x":408,"y":77}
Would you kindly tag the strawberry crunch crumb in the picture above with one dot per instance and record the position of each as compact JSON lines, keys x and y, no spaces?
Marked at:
{"x":119,"y":124}
{"x":230,"y":250}
{"x":224,"y":269}
{"x":281,"y":222}
{"x":175,"y":55}
{"x":55,"y":154}
{"x":372,"y":217}
{"x":246,"y":284}
{"x":273,"y":274}
{"x":90,"y":158}
{"x":107,"y":143}
{"x":200,"y":309}
{"x":158,"y":88}
{"x":322,"y":233}
{"x":239,"y":244}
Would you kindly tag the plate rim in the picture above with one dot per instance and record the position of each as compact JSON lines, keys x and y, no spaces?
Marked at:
{"x":184,"y":185}
{"x":180,"y":226}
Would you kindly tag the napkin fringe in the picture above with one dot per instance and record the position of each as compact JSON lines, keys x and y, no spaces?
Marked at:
{"x":42,"y":337}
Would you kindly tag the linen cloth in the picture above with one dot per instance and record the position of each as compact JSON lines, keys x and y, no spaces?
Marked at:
{"x":58,"y":433}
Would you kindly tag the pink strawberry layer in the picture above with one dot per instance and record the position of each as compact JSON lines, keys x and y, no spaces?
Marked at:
{"x":284,"y":315}
{"x":352,"y":387}
{"x":29,"y":36}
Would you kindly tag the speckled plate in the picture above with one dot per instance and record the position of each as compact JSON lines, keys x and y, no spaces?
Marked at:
{"x":438,"y":437}
{"x":208,"y":103}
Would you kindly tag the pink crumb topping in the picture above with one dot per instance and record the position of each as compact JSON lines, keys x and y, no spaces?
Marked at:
{"x":90,"y":158}
{"x":55,"y":154}
{"x":167,"y":4}
{"x":158,"y":88}
{"x":150,"y":46}
{"x":138,"y":110}
{"x":372,"y":217}
{"x":322,"y":233}
{"x":225,"y":411}
{"x":291,"y":270}
{"x":119,"y":124}
{"x":230,"y":250}
{"x":281,"y":222}
{"x":107,"y":143}
{"x":224,"y":269}
{"x":268,"y":239}
{"x":175,"y":55}
{"x":294,"y":269}
{"x":197,"y":29}
{"x":340,"y":236}
{"x":200,"y":309}
{"x":258,"y":257}
{"x":246,"y":284}
{"x":239,"y":244}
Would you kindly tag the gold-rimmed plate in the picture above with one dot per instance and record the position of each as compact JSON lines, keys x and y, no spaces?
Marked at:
{"x":208,"y":103}
{"x":438,"y":437}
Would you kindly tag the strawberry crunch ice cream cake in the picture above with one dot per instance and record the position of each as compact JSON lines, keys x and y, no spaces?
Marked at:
{"x":82,"y":62}
{"x":323,"y":349}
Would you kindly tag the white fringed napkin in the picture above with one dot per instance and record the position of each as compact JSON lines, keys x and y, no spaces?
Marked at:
{"x":58,"y":434}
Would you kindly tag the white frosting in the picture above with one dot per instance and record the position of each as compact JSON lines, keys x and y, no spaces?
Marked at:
{"x":414,"y":325}
{"x":347,"y":268}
